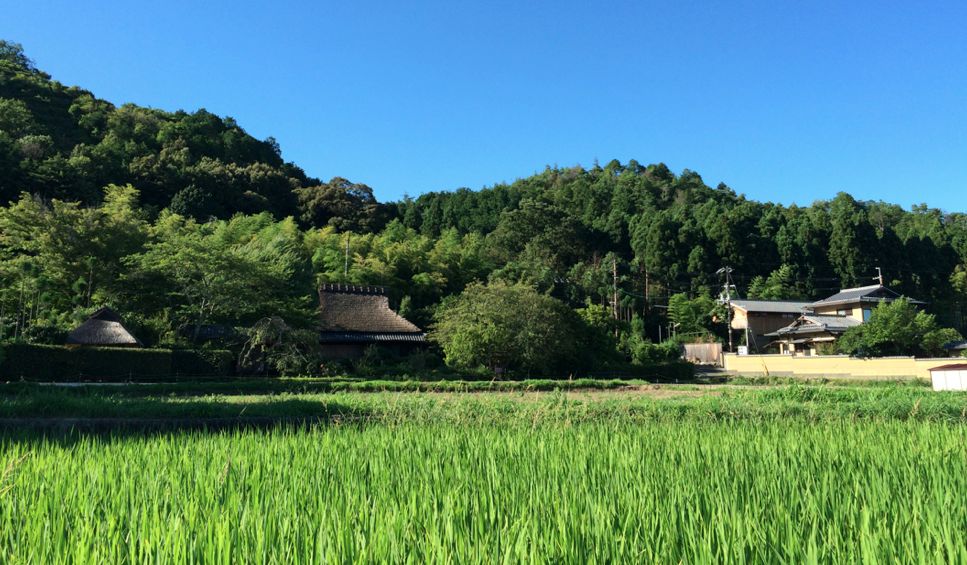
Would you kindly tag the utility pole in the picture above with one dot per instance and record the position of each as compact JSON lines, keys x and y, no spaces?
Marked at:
{"x":647,"y":300}
{"x":614,"y":303}
{"x":727,"y":300}
{"x":346,"y":272}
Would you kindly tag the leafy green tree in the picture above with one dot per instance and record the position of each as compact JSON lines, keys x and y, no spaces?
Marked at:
{"x":695,"y":316}
{"x":958,"y":280}
{"x":288,"y":350}
{"x":16,"y":119}
{"x":14,"y":53}
{"x":896,"y":328}
{"x":641,"y":350}
{"x":541,"y":231}
{"x":225,"y":272}
{"x":778,"y":286}
{"x":68,"y":242}
{"x":506,"y":325}
{"x":851,"y":244}
{"x":660,"y":243}
{"x":339,"y":203}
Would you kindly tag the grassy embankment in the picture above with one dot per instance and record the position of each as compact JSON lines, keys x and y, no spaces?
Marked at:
{"x":896,"y":402}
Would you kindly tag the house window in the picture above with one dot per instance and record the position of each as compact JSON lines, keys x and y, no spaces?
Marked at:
{"x":843,"y":312}
{"x":866,"y":315}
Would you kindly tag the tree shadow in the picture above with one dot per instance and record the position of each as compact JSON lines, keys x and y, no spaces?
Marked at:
{"x":56,"y":414}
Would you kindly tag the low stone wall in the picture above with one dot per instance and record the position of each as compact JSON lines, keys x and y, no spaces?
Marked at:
{"x":833,"y":366}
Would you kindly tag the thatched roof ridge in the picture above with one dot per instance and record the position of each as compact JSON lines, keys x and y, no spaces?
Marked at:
{"x":107,"y":314}
{"x":103,"y":328}
{"x":347,"y":308}
{"x":353,"y":288}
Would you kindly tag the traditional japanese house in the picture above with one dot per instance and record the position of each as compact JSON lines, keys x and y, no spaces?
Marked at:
{"x":353,"y":317}
{"x":758,"y":318}
{"x":825,"y":320}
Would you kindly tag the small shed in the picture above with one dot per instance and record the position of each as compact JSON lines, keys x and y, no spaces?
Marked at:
{"x":949,"y":377}
{"x":103,"y":329}
{"x":955,"y":348}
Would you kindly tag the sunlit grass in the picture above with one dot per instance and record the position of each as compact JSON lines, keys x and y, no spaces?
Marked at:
{"x":551,"y":487}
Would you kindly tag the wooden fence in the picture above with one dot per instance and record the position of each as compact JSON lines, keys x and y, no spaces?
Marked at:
{"x":706,"y":353}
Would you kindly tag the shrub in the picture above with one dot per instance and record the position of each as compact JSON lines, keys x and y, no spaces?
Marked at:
{"x":504,"y":325}
{"x":645,"y":352}
{"x":45,"y":335}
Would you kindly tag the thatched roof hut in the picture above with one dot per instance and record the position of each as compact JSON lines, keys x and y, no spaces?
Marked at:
{"x":353,"y":317}
{"x":103,"y":329}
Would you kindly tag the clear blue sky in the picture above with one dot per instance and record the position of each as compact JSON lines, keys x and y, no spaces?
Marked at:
{"x":783,"y":101}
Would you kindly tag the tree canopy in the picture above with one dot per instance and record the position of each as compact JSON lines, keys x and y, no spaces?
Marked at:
{"x":897,"y":328}
{"x":509,"y":326}
{"x":182,"y":218}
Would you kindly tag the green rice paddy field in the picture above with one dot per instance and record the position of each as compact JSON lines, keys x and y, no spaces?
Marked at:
{"x":776,"y":476}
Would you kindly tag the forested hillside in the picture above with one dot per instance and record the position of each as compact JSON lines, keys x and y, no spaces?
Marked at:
{"x":179,"y":219}
{"x":571,"y":222}
{"x":62,"y":142}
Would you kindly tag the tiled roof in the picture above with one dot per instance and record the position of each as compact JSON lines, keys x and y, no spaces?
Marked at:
{"x":951,"y":367}
{"x":344,"y":308}
{"x":812,"y":323}
{"x":832,"y":322}
{"x":370,"y":337}
{"x":872,"y":293}
{"x":955,"y":345}
{"x":772,"y":306}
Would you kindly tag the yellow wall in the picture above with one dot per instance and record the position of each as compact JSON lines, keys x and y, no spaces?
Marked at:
{"x":832,"y":366}
{"x":854,"y":310}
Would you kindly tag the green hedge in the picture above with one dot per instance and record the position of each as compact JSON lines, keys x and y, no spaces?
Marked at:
{"x":671,"y":371}
{"x":32,"y":362}
{"x":201,"y":362}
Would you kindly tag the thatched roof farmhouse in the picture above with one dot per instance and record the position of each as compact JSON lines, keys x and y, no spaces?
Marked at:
{"x":352,"y":317}
{"x":103,"y":329}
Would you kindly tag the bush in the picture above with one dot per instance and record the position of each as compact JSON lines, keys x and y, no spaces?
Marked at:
{"x":511,"y":326}
{"x":46,"y":335}
{"x":644,"y":352}
{"x":423,"y":360}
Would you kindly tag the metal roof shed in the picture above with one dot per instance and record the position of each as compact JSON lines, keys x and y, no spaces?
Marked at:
{"x":949,"y":377}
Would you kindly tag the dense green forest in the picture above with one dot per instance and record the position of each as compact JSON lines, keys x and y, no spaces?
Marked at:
{"x":180,"y":219}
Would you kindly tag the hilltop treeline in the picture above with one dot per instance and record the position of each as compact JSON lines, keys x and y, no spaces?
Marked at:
{"x":62,"y":142}
{"x":182,"y":219}
{"x":570,"y":223}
